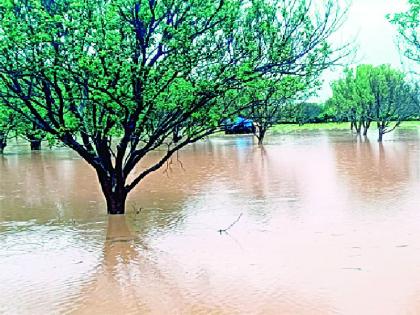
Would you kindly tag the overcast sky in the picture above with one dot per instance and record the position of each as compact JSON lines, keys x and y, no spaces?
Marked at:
{"x":374,"y":35}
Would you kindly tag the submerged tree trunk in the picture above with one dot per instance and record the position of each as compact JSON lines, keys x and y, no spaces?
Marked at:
{"x":381,"y":131}
{"x":115,"y":194}
{"x":358,"y":126}
{"x":35,"y":144}
{"x":381,"y":134}
{"x":35,"y":137}
{"x":115,"y":203}
{"x":366,"y":126}
{"x":259,"y":132}
{"x":261,"y":135}
{"x":3,"y":142}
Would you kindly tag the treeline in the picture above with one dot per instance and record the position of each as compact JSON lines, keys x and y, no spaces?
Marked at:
{"x":13,"y":125}
{"x":379,"y":95}
{"x":364,"y":96}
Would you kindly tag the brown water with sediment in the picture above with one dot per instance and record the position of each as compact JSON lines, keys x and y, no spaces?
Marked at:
{"x":330,"y":225}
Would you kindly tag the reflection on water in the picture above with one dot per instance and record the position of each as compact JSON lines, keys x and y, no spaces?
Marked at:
{"x":330,"y":225}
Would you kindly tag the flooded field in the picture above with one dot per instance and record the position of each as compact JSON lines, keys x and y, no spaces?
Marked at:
{"x":330,"y":224}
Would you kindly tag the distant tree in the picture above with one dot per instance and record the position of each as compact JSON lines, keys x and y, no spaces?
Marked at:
{"x":33,"y":134}
{"x":267,"y":102}
{"x":13,"y":125}
{"x":269,"y":95}
{"x":116,"y":80}
{"x":329,"y":112}
{"x":380,"y":94}
{"x":353,"y":98}
{"x":395,"y":99}
{"x":408,"y":24}
{"x":309,"y":113}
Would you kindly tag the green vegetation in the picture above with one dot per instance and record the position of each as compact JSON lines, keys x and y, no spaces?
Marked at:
{"x":287,"y":127}
{"x":374,"y":94}
{"x":115,"y":80}
{"x":290,"y":128}
{"x":408,"y":24}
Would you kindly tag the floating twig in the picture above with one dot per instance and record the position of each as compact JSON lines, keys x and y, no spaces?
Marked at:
{"x":135,"y":209}
{"x":230,"y":226}
{"x":179,"y":161}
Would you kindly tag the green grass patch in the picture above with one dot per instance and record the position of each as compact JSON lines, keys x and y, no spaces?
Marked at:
{"x":410,"y":124}
{"x":287,"y":128}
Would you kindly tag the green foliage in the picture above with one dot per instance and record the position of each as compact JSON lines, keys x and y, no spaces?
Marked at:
{"x":115,"y":80}
{"x":379,"y":94}
{"x":408,"y":24}
{"x":303,"y":113}
{"x":270,"y":38}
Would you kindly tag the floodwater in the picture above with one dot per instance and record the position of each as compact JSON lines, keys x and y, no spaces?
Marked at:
{"x":330,"y":224}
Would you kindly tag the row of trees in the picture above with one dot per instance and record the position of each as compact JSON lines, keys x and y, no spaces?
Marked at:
{"x":13,"y":125}
{"x":381,"y":95}
{"x":364,"y":95}
{"x":368,"y":94}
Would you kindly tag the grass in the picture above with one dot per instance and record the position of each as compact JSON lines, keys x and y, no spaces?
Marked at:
{"x":286,"y":128}
{"x":410,"y":124}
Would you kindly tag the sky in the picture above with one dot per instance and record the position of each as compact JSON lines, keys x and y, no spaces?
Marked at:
{"x":374,"y":36}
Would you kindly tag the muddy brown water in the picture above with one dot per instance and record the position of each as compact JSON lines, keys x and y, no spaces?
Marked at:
{"x":330,"y":225}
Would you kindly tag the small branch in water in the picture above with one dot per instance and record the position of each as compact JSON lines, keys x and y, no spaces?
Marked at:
{"x":179,"y":161}
{"x":168,"y":167}
{"x":230,"y":226}
{"x":135,"y":209}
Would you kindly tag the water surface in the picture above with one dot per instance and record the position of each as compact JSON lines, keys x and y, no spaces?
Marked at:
{"x":330,"y":225}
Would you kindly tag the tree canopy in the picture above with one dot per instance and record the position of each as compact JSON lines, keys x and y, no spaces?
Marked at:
{"x":380,"y":94}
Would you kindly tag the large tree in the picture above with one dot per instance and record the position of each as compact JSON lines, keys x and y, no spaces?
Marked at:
{"x":116,"y":80}
{"x":353,"y":98}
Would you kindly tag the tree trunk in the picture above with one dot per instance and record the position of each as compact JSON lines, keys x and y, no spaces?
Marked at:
{"x":259,"y":132}
{"x":380,"y":133}
{"x":351,"y":125}
{"x":366,"y":126}
{"x":261,"y":135}
{"x":115,"y":195}
{"x":358,"y":126}
{"x":115,"y":203}
{"x":35,"y":144}
{"x":3,"y":142}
